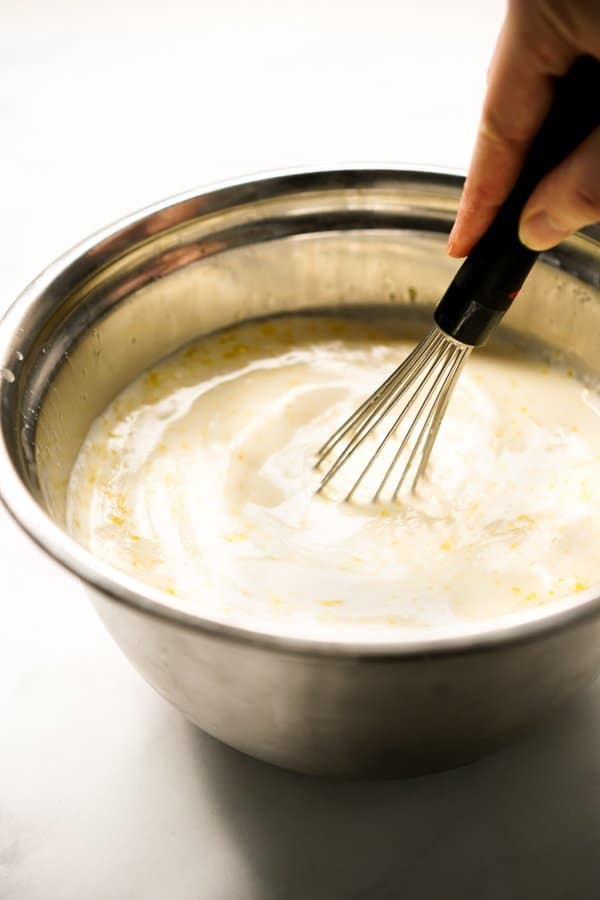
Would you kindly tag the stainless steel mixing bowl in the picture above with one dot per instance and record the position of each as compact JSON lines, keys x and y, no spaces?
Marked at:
{"x":121,"y":300}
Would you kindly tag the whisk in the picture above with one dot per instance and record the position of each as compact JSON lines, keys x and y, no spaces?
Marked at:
{"x":479,"y":295}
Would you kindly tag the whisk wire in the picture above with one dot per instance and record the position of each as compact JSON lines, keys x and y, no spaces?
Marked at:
{"x":426,"y":433}
{"x":413,"y":378}
{"x":415,"y":383}
{"x":433,"y":367}
{"x":402,"y":371}
{"x":374,"y":410}
{"x":440,"y":409}
{"x":412,"y":428}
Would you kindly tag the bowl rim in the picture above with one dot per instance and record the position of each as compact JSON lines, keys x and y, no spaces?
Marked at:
{"x":118,"y":587}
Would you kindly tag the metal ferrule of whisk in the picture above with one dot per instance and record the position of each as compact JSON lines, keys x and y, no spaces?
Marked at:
{"x":412,"y":401}
{"x":476,"y":299}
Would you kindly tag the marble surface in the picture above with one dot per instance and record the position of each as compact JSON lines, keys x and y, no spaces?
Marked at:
{"x":105,"y":791}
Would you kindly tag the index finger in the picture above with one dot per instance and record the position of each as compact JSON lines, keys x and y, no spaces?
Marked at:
{"x":527,"y":59}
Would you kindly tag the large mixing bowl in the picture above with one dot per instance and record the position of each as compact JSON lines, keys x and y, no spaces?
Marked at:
{"x":123,"y":299}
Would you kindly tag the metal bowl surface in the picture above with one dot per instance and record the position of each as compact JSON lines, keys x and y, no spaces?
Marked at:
{"x":344,"y":239}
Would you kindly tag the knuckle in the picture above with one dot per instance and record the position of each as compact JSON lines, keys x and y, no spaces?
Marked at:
{"x":561,"y":17}
{"x":484,"y":194}
{"x":498,"y":130}
{"x":586,"y":198}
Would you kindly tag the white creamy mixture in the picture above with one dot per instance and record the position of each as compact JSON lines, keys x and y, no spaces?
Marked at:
{"x":198,"y":480}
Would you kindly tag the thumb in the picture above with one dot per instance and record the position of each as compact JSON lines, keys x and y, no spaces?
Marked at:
{"x":565,"y":200}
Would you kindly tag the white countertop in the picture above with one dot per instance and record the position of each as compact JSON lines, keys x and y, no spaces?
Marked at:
{"x":105,"y":791}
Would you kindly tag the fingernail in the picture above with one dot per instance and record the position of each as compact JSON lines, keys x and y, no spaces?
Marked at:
{"x":539,"y":232}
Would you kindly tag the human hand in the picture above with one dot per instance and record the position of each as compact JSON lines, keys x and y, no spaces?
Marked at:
{"x":538,"y":42}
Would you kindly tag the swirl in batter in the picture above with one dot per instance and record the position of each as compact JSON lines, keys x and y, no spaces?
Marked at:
{"x":198,"y":480}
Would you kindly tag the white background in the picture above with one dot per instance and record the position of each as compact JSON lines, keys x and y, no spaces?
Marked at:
{"x":106,"y":792}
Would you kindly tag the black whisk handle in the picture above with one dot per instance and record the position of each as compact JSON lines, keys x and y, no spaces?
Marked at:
{"x":490,"y":278}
